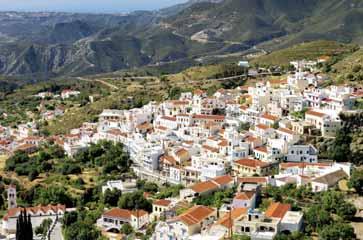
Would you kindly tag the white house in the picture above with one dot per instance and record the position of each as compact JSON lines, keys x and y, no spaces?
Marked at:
{"x":292,"y":222}
{"x":124,"y":186}
{"x":302,"y":153}
{"x":244,"y":200}
{"x":116,"y":217}
{"x":69,"y":93}
{"x":324,"y":182}
{"x":160,"y":207}
{"x":194,"y":221}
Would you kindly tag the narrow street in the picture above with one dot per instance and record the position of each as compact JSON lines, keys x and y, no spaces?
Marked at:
{"x":57,"y":232}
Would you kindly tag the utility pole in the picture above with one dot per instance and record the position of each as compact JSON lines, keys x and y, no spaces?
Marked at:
{"x":230,"y":224}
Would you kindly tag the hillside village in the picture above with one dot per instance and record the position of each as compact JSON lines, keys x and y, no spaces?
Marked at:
{"x":236,"y":143}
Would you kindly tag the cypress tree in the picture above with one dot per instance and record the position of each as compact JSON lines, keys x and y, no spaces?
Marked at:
{"x":30,"y":228}
{"x":24,"y":230}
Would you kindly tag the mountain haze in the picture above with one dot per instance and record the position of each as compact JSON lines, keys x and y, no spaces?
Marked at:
{"x":55,"y":44}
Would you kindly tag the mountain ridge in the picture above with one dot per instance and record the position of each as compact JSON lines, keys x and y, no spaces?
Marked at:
{"x":54,"y":44}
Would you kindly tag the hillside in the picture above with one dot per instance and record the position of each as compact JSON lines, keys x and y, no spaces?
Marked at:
{"x":45,"y":45}
{"x":350,"y":69}
{"x":309,"y":50}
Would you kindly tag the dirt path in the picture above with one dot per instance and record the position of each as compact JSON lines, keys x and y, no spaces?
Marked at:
{"x":358,"y":222}
{"x":100,"y":81}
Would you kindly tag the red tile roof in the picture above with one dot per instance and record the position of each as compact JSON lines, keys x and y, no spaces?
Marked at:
{"x":162,"y":202}
{"x":252,"y":180}
{"x":13,"y":212}
{"x":181,"y":152}
{"x":26,"y":146}
{"x":195,"y":215}
{"x":269,"y":117}
{"x":277,"y":210}
{"x":118,"y":213}
{"x":123,"y":213}
{"x":208,"y":117}
{"x":236,"y":213}
{"x":262,"y":126}
{"x":244,"y":195}
{"x":302,"y":165}
{"x":198,"y":92}
{"x":204,"y":187}
{"x":179,"y":102}
{"x":261,"y":149}
{"x":278,"y":81}
{"x":252,"y":163}
{"x":314,"y":113}
{"x":223,"y":180}
{"x":169,"y":160}
{"x":223,"y":143}
{"x":211,"y":149}
{"x":169,"y":118}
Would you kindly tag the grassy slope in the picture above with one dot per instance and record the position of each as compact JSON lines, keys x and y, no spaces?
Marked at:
{"x":310,"y":50}
{"x":18,"y":103}
{"x":350,"y":69}
{"x":347,"y":64}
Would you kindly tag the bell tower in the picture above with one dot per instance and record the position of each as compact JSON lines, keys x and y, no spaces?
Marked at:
{"x":12,"y":196}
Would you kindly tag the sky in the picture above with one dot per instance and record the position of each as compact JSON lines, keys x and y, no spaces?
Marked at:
{"x":94,"y":6}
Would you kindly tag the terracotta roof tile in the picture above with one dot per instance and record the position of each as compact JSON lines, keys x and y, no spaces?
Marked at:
{"x":262,"y":126}
{"x":123,"y":213}
{"x":303,"y":165}
{"x":33,"y":210}
{"x":118,"y":213}
{"x":204,"y":186}
{"x":269,"y":117}
{"x":252,"y":163}
{"x":168,"y":118}
{"x":252,"y":180}
{"x":209,"y":117}
{"x":244,"y":195}
{"x":195,"y":215}
{"x":223,"y":143}
{"x":316,"y":114}
{"x":277,"y":210}
{"x":223,"y":180}
{"x":236,"y":213}
{"x":261,"y":149}
{"x":211,"y":149}
{"x":162,"y":202}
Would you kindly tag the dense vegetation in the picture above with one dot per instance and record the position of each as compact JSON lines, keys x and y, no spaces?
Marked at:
{"x":350,"y":69}
{"x":356,"y":181}
{"x":64,"y":176}
{"x":325,"y":213}
{"x":21,"y":105}
{"x":347,"y":144}
{"x":80,"y":225}
{"x":113,"y":158}
{"x":216,"y":199}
